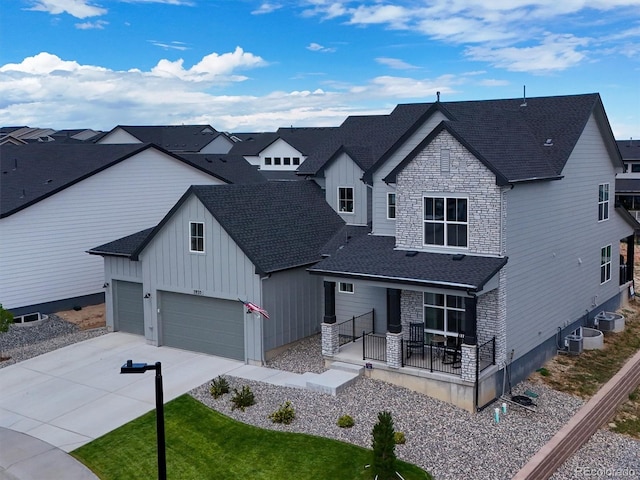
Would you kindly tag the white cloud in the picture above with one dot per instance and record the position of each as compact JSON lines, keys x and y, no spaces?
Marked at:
{"x":46,"y":87}
{"x":170,"y":46}
{"x":75,"y":8}
{"x":266,"y":8}
{"x":555,"y":53}
{"x":97,"y":25}
{"x":395,"y":63}
{"x":316,"y":47}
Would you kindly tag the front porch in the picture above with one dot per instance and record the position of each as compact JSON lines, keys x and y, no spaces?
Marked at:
{"x":467,"y":382}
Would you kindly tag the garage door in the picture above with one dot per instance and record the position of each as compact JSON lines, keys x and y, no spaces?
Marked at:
{"x":203,"y":324}
{"x":129,"y":309}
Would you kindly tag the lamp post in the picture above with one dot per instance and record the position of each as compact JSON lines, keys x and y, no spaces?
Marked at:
{"x":131,"y":367}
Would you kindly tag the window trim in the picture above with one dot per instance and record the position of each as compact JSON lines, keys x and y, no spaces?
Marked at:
{"x":605,"y":264}
{"x":445,"y":332}
{"x":193,"y":237}
{"x":353,"y":200}
{"x":445,"y":222}
{"x":389,"y":205}
{"x":341,"y":288}
{"x":603,"y":205}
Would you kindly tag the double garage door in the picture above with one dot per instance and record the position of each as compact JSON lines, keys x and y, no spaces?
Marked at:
{"x":202,"y":324}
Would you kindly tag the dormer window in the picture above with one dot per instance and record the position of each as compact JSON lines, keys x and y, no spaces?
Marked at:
{"x":345,"y":199}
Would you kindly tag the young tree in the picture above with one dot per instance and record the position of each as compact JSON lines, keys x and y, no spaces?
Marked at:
{"x":6,"y":320}
{"x":384,"y":454}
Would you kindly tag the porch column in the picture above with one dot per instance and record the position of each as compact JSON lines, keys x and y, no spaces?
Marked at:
{"x":329,"y":302}
{"x":470,"y":320}
{"x":394,"y":323}
{"x":631,"y":243}
{"x":330,"y":333}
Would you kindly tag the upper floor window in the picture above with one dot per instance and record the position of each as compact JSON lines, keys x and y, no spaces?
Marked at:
{"x":276,"y":160}
{"x":635,"y":167}
{"x":296,"y":160}
{"x":344,"y":287}
{"x":446,"y":221}
{"x":391,"y":206}
{"x":196,"y":237}
{"x":267,"y":160}
{"x":603,"y":201}
{"x":443,"y":314}
{"x":345,"y":199}
{"x":605,"y":264}
{"x":286,"y":161}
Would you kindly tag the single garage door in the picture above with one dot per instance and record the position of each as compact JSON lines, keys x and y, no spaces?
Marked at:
{"x":203,"y":324}
{"x":129,"y":308}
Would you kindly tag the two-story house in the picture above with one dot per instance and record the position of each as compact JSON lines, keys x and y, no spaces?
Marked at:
{"x":494,"y":233}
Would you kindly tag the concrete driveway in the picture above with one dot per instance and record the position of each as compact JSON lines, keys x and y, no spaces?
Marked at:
{"x":72,"y":395}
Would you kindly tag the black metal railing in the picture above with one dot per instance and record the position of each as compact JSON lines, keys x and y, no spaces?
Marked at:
{"x":486,"y":354}
{"x":374,"y":346}
{"x":435,"y":358}
{"x":349,"y":330}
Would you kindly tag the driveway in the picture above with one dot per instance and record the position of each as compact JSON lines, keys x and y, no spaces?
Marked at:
{"x":70,"y":396}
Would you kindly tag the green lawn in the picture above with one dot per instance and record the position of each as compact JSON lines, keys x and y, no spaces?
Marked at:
{"x":204,"y":444}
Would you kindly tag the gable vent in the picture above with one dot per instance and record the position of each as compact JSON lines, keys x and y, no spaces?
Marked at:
{"x":445,"y":162}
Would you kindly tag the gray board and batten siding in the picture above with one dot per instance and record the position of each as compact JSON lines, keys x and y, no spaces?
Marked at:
{"x":553,"y":274}
{"x":364,"y":298}
{"x":344,"y":172}
{"x":222,"y":271}
{"x":294,"y":300}
{"x":382,"y":225}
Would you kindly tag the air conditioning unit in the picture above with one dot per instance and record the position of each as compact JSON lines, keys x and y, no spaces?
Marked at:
{"x":573,"y":344}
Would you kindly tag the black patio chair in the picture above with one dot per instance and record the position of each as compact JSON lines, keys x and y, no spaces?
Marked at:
{"x":453,"y":353}
{"x":416,"y":339}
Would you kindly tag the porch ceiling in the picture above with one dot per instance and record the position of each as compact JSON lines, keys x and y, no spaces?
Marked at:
{"x":375,"y":258}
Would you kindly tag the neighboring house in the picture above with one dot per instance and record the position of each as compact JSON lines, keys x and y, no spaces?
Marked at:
{"x":59,"y":200}
{"x":27,"y":134}
{"x":500,"y":240}
{"x":282,"y":152}
{"x":174,"y":138}
{"x":628,"y":183}
{"x":179,"y":283}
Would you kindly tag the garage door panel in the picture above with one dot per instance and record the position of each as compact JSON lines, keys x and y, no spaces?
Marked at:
{"x":129,"y":308}
{"x":203,"y":324}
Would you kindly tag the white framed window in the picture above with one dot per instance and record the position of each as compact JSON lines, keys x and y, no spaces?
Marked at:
{"x":196,"y":237}
{"x":603,"y":202}
{"x":443,"y":314}
{"x":345,"y":199}
{"x":391,"y":206}
{"x":276,"y":160}
{"x":344,"y":287}
{"x":605,"y":264}
{"x":286,"y":161}
{"x":296,"y":160}
{"x":267,"y":160}
{"x":446,"y":221}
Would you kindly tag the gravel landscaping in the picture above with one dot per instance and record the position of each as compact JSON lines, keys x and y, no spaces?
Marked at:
{"x":449,"y":442}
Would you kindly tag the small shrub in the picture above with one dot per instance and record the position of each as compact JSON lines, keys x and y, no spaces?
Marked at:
{"x":384,"y":455}
{"x":285,"y":414}
{"x":633,"y":396}
{"x":219,"y":386}
{"x":399,"y":438}
{"x":544,"y":372}
{"x":242,"y":398}
{"x":345,"y":421}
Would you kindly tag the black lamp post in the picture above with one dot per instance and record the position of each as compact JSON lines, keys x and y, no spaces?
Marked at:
{"x":131,"y":367}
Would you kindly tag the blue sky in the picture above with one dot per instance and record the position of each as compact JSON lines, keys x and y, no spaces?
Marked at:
{"x":250,"y":65}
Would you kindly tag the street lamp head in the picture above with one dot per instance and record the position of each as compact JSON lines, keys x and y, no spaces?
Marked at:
{"x":131,"y":367}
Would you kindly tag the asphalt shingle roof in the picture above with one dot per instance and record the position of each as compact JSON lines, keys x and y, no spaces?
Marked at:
{"x":374,"y":258}
{"x":629,"y":149}
{"x":183,"y":138}
{"x":278,"y":225}
{"x":33,"y":172}
{"x":518,"y":143}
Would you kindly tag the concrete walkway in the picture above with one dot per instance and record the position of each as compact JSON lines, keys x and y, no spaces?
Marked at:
{"x":598,"y":410}
{"x":59,"y":401}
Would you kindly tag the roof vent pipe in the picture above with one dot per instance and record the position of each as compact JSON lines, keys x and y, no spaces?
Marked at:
{"x":437,"y":96}
{"x":524,"y":96}
{"x":630,"y":141}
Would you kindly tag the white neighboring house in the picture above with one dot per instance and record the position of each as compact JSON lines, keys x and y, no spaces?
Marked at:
{"x":58,"y":201}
